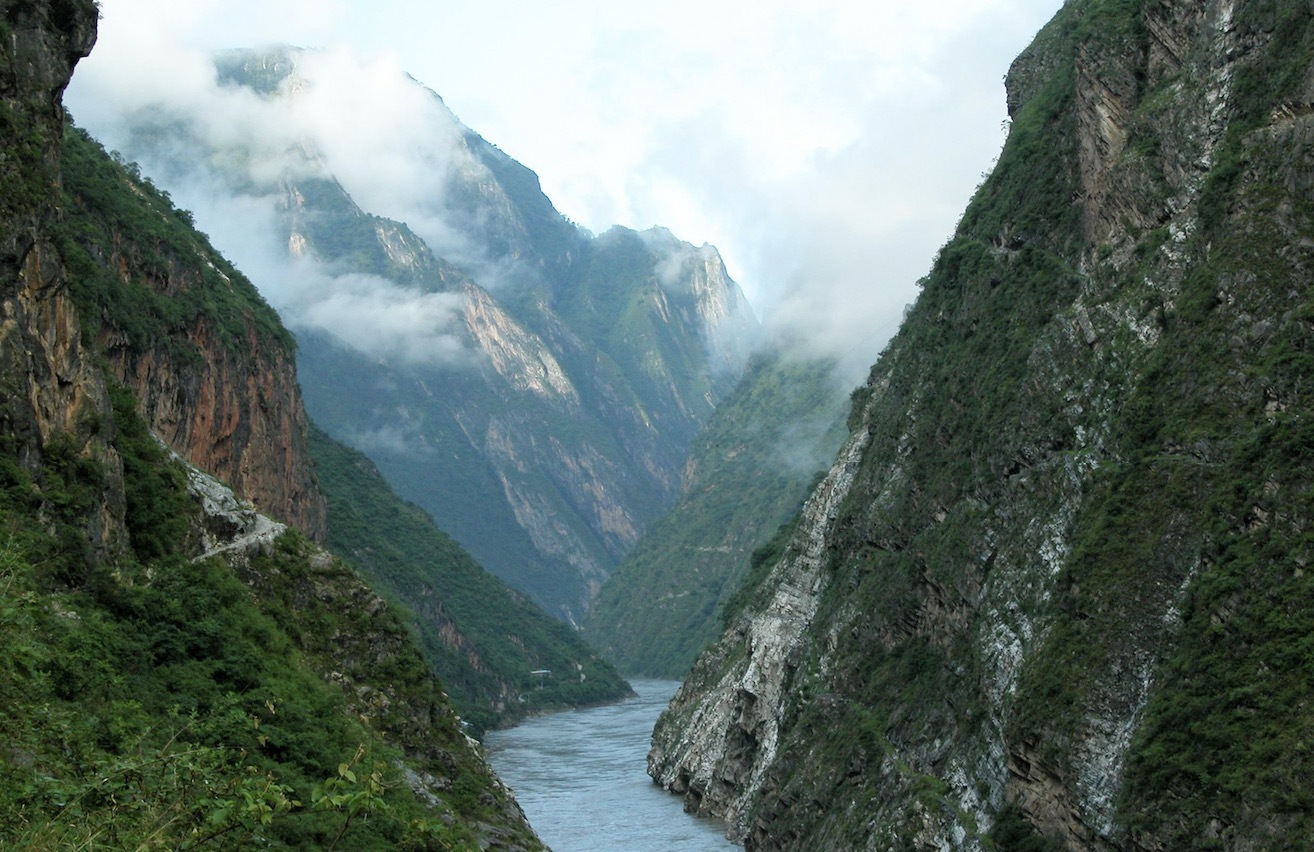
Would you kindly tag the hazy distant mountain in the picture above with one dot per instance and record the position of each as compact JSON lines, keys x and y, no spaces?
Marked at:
{"x":532,"y":386}
{"x":748,"y":473}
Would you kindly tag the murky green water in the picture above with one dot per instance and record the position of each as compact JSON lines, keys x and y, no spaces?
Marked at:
{"x":580,"y":777}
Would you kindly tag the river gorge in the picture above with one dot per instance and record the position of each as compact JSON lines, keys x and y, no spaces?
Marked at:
{"x":580,"y":777}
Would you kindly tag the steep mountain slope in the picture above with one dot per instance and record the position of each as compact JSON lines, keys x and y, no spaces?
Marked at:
{"x":214,"y":367}
{"x":1055,"y":589}
{"x":189,"y":334}
{"x":748,"y":472}
{"x":500,"y":657}
{"x":178,"y":669}
{"x":531,"y":386}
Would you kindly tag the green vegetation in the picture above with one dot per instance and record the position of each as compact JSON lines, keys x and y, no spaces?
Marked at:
{"x":484,"y":639}
{"x":1276,"y":78}
{"x":753,"y":465}
{"x":183,"y":281}
{"x":1209,"y":498}
{"x":158,"y":508}
{"x":1013,"y":833}
{"x":152,"y":700}
{"x":642,"y":328}
{"x":25,"y":176}
{"x":1087,"y":502}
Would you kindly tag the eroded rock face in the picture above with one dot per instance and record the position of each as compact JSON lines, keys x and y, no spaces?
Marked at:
{"x":52,"y":387}
{"x":234,"y":410}
{"x":720,"y":736}
{"x":1056,"y":468}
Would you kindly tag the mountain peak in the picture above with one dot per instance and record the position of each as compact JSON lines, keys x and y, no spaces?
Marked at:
{"x":452,"y":322}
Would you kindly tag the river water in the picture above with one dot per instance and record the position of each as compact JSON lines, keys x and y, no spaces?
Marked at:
{"x":580,"y":776}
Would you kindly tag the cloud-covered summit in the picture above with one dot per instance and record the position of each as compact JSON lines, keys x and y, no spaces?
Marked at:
{"x":826,"y":149}
{"x":242,"y":145}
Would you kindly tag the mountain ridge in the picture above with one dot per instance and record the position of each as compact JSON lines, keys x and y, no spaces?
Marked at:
{"x":491,"y":347}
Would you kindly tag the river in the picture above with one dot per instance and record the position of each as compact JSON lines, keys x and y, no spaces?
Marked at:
{"x":580,"y":777}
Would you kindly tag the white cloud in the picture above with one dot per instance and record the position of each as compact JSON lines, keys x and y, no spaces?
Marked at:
{"x":826,"y":148}
{"x":385,"y":139}
{"x":375,"y":316}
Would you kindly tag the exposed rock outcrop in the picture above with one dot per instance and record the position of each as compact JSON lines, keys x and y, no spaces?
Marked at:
{"x":53,"y":390}
{"x":233,"y":408}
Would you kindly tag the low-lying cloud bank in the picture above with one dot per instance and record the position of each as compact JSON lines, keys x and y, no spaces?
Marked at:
{"x":826,"y":150}
{"x":361,"y":122}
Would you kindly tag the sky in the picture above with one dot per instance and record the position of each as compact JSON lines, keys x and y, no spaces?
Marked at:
{"x":825,"y":147}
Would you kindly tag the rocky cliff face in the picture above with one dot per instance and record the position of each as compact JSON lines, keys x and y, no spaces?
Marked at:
{"x":204,"y":401}
{"x":572,"y":403}
{"x":1045,"y":588}
{"x":234,"y":411}
{"x":52,"y":385}
{"x":221,"y":390}
{"x":211,"y":366}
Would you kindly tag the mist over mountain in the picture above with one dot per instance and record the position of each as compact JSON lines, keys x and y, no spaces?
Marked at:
{"x":532,"y":386}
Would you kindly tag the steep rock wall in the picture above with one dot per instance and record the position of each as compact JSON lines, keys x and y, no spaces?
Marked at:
{"x":211,"y":366}
{"x":53,"y":388}
{"x":1041,"y":601}
{"x":235,"y":411}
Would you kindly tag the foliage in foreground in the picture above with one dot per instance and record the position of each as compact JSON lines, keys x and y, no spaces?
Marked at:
{"x":155,"y":702}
